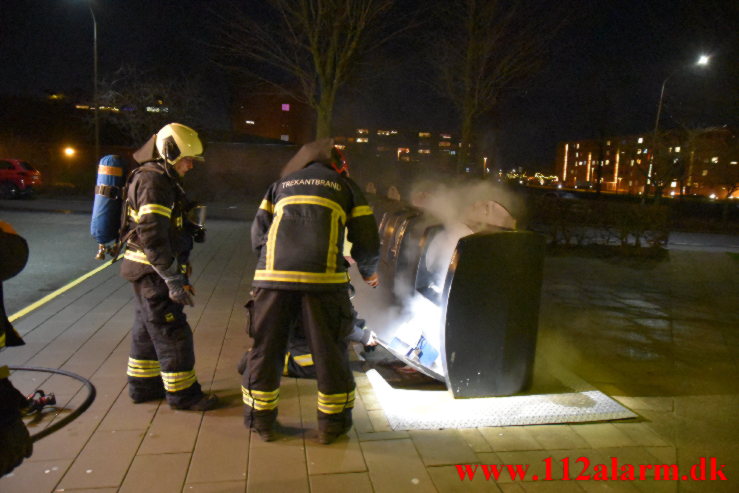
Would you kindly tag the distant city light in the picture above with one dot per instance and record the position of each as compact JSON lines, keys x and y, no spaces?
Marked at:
{"x":703,"y":60}
{"x":249,"y":122}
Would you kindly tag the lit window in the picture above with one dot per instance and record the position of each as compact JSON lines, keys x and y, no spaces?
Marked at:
{"x":640,"y":140}
{"x":673,"y":184}
{"x":577,"y":146}
{"x":453,"y":153}
{"x":340,"y":146}
{"x":284,"y":137}
{"x":285,"y":106}
{"x":705,"y":172}
{"x":638,"y":151}
{"x":733,"y":163}
{"x":362,"y":139}
{"x":446,"y":136}
{"x":445,"y":144}
{"x":362,"y":131}
{"x":677,"y":149}
{"x":249,"y":122}
{"x":424,"y":151}
{"x":608,"y":142}
{"x":608,"y":161}
{"x":714,"y":160}
{"x":424,"y":135}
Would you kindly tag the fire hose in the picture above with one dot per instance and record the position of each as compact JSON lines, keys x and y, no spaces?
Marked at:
{"x":36,"y":403}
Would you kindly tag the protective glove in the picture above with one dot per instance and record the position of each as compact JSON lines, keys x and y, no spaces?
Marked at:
{"x":372,"y":280}
{"x":177,"y":285}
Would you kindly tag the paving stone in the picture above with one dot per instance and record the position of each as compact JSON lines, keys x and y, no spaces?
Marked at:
{"x":358,"y":482}
{"x":383,"y":435}
{"x":603,"y":435}
{"x":171,"y":431}
{"x":507,"y":438}
{"x":379,"y":421}
{"x":551,"y":487}
{"x":164,"y":473}
{"x":394,"y":466}
{"x":96,"y":466}
{"x":342,"y":456}
{"x":222,"y":487}
{"x":557,"y":437}
{"x":442,"y":447}
{"x":222,"y":447}
{"x":475,"y":440}
{"x":34,"y":476}
{"x":277,"y":466}
{"x":447,"y":480}
{"x":125,"y":415}
{"x":641,"y":434}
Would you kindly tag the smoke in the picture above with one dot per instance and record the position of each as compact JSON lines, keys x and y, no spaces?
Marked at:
{"x":451,"y":211}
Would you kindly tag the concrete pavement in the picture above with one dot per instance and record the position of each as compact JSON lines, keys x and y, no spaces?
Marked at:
{"x":659,"y":336}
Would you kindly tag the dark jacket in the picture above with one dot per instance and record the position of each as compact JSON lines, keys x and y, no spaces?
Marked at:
{"x":155,"y":204}
{"x":298,"y":232}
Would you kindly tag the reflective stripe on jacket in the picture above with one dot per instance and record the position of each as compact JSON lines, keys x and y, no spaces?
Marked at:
{"x":298,"y":232}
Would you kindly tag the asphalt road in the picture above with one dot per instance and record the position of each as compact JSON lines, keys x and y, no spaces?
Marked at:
{"x":61,"y":250}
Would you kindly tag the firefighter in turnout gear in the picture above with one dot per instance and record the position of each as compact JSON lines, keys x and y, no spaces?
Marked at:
{"x":162,"y":357}
{"x":301,"y":274}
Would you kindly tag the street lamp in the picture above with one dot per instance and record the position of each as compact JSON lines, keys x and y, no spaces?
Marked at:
{"x":702,"y":62}
{"x":95,"y":82}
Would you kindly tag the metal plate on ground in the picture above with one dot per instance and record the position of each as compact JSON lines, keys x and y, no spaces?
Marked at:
{"x":434,"y":409}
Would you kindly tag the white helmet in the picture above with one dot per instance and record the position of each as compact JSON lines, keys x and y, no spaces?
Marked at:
{"x":176,"y":141}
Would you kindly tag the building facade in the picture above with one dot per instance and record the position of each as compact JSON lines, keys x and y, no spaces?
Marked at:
{"x":700,"y":162}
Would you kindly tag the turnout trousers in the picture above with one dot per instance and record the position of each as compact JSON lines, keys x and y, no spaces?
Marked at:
{"x":162,"y":356}
{"x":327,"y":320}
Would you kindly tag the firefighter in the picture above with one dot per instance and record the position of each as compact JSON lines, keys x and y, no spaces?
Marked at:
{"x":301,"y":274}
{"x":162,"y":357}
{"x":15,"y":442}
{"x":299,"y":360}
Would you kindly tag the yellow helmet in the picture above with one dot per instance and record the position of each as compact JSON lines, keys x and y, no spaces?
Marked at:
{"x":176,"y":141}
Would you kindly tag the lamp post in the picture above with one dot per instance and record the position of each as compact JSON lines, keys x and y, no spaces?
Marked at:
{"x":95,"y":83}
{"x":702,"y":62}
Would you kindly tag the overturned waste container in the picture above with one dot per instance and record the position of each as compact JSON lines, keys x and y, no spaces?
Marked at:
{"x":457,"y":303}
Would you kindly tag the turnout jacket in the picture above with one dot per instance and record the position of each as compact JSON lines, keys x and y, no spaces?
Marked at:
{"x":155,"y":204}
{"x":298,"y":232}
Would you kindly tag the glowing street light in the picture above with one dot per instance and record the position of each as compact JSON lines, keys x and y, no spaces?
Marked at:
{"x":70,"y":151}
{"x":702,"y":62}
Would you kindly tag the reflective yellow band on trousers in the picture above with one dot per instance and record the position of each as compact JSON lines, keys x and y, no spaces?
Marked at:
{"x":176,"y":381}
{"x":304,"y":277}
{"x":335,"y":403}
{"x":304,"y":359}
{"x":135,"y":256}
{"x":142,"y":368}
{"x":260,"y":400}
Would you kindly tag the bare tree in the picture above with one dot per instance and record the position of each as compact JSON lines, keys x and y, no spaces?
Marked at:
{"x":485,"y":47}
{"x":138,"y":103}
{"x":305,"y":48}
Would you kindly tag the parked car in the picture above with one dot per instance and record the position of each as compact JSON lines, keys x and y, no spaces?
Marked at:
{"x":17,"y":178}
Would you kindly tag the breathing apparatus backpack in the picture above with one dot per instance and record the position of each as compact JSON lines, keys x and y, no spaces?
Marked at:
{"x":110,"y":219}
{"x":106,"y":210}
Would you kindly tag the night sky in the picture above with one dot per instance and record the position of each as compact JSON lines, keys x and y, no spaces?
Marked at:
{"x":603,"y":74}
